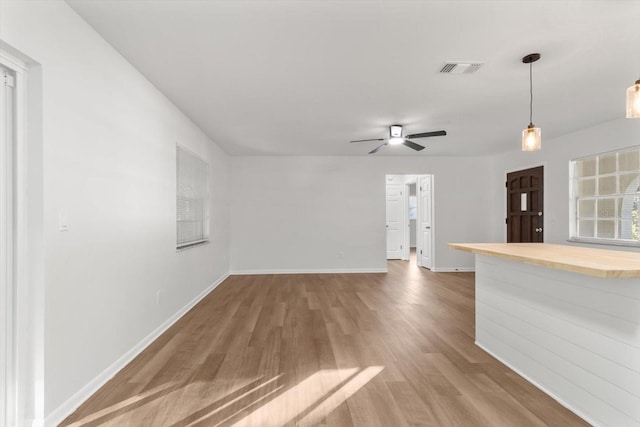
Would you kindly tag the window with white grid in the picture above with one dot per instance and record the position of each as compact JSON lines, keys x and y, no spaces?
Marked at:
{"x":605,"y":194}
{"x":192,"y":199}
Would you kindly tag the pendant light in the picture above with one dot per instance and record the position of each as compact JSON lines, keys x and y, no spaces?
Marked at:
{"x":633,"y":101}
{"x":531,"y":136}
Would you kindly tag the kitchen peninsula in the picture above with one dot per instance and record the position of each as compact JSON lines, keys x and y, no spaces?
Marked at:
{"x":567,"y":319}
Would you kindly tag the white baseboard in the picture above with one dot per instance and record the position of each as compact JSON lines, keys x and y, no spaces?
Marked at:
{"x":453,"y":269}
{"x":543,"y":389}
{"x":63,"y":411}
{"x":310,"y":271}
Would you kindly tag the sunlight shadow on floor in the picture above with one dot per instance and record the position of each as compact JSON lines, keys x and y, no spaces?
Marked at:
{"x":312,"y":399}
{"x":259,"y":402}
{"x":127,"y":405}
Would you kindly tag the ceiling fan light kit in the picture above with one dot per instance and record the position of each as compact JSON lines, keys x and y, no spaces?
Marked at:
{"x":531,"y":136}
{"x":396,"y":138}
{"x":633,"y":101}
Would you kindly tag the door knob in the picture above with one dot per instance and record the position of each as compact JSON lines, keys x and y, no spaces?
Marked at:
{"x":539,"y":230}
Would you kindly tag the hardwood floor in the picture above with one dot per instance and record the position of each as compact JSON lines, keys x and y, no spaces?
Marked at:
{"x":393,"y":349}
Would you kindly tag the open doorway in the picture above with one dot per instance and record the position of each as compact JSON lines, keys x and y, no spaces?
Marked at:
{"x":409,"y":219}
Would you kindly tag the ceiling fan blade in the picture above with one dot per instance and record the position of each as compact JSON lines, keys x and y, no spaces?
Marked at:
{"x":427,"y":134}
{"x":367,"y":140}
{"x":413,"y":145}
{"x":375,"y":150}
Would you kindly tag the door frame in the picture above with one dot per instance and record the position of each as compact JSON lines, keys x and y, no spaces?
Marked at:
{"x":414,"y":178}
{"x":28,"y":256}
{"x":504,"y":192}
{"x":8,"y":287}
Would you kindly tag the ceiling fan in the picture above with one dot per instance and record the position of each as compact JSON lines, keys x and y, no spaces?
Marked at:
{"x":396,"y":138}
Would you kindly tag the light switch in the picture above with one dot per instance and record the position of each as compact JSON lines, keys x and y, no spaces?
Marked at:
{"x":63,"y":221}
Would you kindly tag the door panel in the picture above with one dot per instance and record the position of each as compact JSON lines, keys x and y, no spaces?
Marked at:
{"x":525,"y":209}
{"x":425,"y":222}
{"x":394,"y":221}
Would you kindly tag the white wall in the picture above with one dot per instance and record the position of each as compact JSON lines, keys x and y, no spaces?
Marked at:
{"x":108,"y":162}
{"x":328,"y":213}
{"x":555,"y":156}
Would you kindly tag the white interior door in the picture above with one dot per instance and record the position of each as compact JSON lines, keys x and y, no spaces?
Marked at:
{"x":395,"y":232}
{"x":425,"y":222}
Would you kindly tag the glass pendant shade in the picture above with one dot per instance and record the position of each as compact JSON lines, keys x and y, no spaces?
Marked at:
{"x":633,"y":101}
{"x":531,"y":138}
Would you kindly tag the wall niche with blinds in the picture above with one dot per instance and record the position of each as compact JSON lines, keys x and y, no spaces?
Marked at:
{"x":605,"y":195}
{"x":192,"y":199}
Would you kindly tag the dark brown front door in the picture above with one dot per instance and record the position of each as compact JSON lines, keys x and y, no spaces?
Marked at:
{"x":524,"y":206}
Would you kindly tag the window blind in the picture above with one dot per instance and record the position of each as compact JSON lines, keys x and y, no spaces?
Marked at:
{"x":192,"y":194}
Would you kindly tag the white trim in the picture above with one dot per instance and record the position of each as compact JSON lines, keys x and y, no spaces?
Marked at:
{"x":606,"y":242}
{"x":543,"y":389}
{"x":433,"y":220}
{"x":311,"y":271}
{"x":28,"y":313}
{"x":190,"y":245}
{"x":8,"y":255}
{"x":453,"y":269}
{"x":63,"y":411}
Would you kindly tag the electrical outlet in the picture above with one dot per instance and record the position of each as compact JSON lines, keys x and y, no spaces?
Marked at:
{"x":159,"y":297}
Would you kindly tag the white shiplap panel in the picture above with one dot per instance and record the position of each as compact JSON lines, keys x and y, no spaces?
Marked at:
{"x":577,"y":337}
{"x":577,"y":373}
{"x":588,"y":292}
{"x":603,"y":323}
{"x":624,"y":287}
{"x":620,"y":352}
{"x":587,"y":406}
{"x":608,"y":380}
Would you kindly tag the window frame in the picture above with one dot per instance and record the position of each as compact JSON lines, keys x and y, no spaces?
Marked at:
{"x":205,"y":201}
{"x":618,"y":195}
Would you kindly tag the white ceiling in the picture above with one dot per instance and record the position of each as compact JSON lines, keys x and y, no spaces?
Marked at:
{"x":305,"y":77}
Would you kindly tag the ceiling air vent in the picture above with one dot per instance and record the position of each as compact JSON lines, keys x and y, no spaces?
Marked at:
{"x":461,"y":67}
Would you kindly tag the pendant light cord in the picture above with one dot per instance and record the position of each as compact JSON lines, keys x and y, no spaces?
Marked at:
{"x":531,"y":93}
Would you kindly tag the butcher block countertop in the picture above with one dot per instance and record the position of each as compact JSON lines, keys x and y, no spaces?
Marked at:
{"x":593,"y":262}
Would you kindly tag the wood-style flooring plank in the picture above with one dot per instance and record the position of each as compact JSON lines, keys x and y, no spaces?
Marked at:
{"x":394,"y":349}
